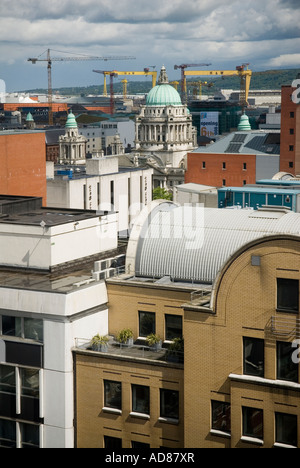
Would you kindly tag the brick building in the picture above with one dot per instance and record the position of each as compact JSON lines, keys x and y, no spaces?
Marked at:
{"x":290,"y":137}
{"x":237,"y":159}
{"x":228,"y":282}
{"x":23,"y":163}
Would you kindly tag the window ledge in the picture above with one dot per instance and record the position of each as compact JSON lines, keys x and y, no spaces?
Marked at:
{"x":139,"y":415}
{"x":280,"y":445}
{"x":267,"y":382}
{"x":252,"y":440}
{"x":168,"y":420}
{"x":111,"y":410}
{"x":217,"y":433}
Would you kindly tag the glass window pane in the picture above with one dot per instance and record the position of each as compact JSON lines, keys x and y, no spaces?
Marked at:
{"x":147,"y":323}
{"x":7,"y":379}
{"x":140,"y":399}
{"x":254,"y":357}
{"x":286,"y":429}
{"x":286,"y":368}
{"x":169,"y":404}
{"x":173,"y":327}
{"x":112,"y":443}
{"x":253,"y":422}
{"x":288,"y":294}
{"x":30,"y":436}
{"x":33,"y":329}
{"x":221,"y":417}
{"x":7,"y":434}
{"x":113,"y":394}
{"x":11,"y":326}
{"x":30,"y":382}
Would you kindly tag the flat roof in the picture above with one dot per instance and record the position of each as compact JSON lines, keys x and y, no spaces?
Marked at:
{"x":50,"y":216}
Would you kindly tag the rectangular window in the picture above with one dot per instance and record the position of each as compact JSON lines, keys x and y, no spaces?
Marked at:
{"x":224,"y":165}
{"x":291,"y":147}
{"x":7,"y":379}
{"x":292,"y":115}
{"x":286,"y":429}
{"x":203,"y":165}
{"x":139,"y":445}
{"x":224,"y":183}
{"x":292,"y":131}
{"x":254,"y":357}
{"x":30,"y":436}
{"x":113,"y":394}
{"x":169,"y":404}
{"x":141,"y":399}
{"x":288,"y":295}
{"x":31,"y":329}
{"x":253,"y":423}
{"x":112,"y":194}
{"x":244,"y":166}
{"x":221,"y":416}
{"x":286,"y":368}
{"x":8,"y":435}
{"x":112,"y":443}
{"x":146,"y":323}
{"x":173,"y":325}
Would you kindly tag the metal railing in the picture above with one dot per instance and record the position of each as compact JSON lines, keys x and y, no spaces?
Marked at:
{"x":288,"y":327}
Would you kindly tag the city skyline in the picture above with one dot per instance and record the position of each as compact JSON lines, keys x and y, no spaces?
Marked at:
{"x":264,"y":34}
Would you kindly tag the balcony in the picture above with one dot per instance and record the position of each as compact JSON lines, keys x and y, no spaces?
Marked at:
{"x":139,"y":351}
{"x":287,"y":327}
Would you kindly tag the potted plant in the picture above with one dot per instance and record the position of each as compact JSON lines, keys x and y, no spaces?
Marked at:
{"x":125,"y":337}
{"x":176,"y":350}
{"x":100,"y":343}
{"x":154,"y":342}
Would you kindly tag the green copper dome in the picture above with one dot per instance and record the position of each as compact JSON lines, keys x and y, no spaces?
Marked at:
{"x":29,"y":117}
{"x":244,"y":123}
{"x":71,"y":121}
{"x":163,"y":94}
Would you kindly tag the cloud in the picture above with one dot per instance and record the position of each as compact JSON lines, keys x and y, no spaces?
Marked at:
{"x":286,"y":60}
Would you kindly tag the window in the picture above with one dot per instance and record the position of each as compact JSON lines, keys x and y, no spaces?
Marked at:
{"x":224,"y":183}
{"x":254,"y":357}
{"x":286,"y":368}
{"x":20,"y":327}
{"x":112,"y":194}
{"x":244,"y":166}
{"x":221,"y":418}
{"x":139,"y":445}
{"x":224,"y":165}
{"x":286,"y":429}
{"x":203,"y":165}
{"x":292,"y":115}
{"x":292,"y":131}
{"x":291,"y":165}
{"x":140,"y":399}
{"x":169,"y":404}
{"x":291,"y":147}
{"x":173,"y":327}
{"x":146,"y":323}
{"x":29,"y":435}
{"x":112,"y":442}
{"x":113,"y":394}
{"x":288,"y":295}
{"x":253,"y":422}
{"x":7,"y":379}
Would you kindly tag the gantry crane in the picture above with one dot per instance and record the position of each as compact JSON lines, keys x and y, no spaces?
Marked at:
{"x":183,"y":80}
{"x":50,"y":59}
{"x":175,"y":84}
{"x":115,"y":73}
{"x":124,"y":88}
{"x":199,"y":84}
{"x":242,"y":71}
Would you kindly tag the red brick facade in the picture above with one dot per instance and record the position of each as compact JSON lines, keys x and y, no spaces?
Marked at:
{"x":220,"y":170}
{"x":290,"y":115}
{"x":23,"y":164}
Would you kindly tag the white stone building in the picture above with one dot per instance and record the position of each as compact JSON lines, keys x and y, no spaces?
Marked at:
{"x":164,"y":131}
{"x":49,"y":296}
{"x":72,"y":146}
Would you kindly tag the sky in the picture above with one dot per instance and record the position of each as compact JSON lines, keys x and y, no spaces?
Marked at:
{"x":223,"y":33}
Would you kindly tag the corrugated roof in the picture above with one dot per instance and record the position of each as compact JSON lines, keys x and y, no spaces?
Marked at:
{"x":193,"y":244}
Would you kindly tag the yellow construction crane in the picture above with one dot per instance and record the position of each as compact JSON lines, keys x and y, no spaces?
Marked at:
{"x":115,"y":73}
{"x":199,"y":84}
{"x":183,"y":80}
{"x":124,"y":88}
{"x":175,"y":84}
{"x":146,"y":72}
{"x":242,"y":71}
{"x":50,"y":59}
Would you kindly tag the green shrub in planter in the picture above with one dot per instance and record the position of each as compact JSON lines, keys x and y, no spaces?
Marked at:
{"x":154,"y":342}
{"x":100,"y":343}
{"x":125,"y":336}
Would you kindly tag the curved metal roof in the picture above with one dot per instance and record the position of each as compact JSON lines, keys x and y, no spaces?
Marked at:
{"x":193,"y":243}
